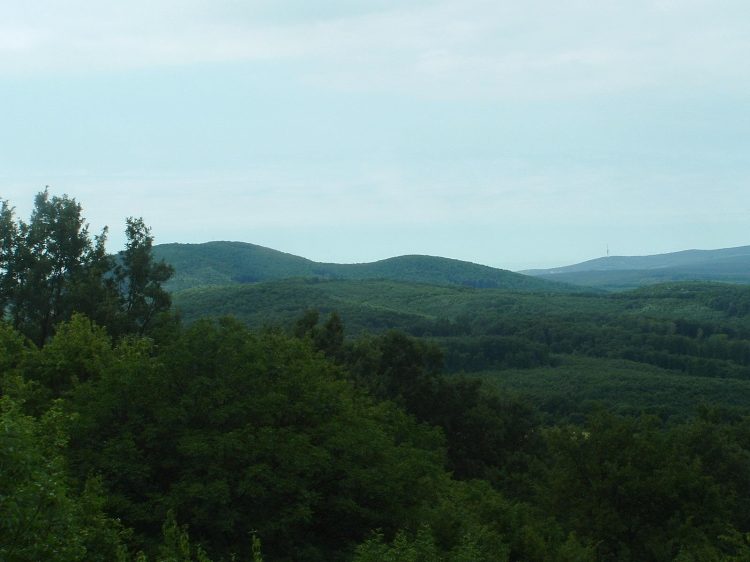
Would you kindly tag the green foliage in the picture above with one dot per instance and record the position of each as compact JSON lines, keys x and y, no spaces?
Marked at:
{"x":720,"y":443}
{"x":141,"y":278}
{"x":256,"y":550}
{"x":41,"y":518}
{"x":487,"y":436}
{"x":634,"y":491}
{"x":45,"y":263}
{"x":729,"y":265}
{"x":397,"y":367}
{"x":328,"y":338}
{"x":236,"y":431}
{"x":244,"y":435}
{"x":568,"y":391}
{"x":474,"y":512}
{"x":77,"y":352}
{"x":473,"y":522}
{"x":333,"y":447}
{"x":8,"y":245}
{"x":644,"y":344}
{"x":176,"y":546}
{"x":14,"y":354}
{"x":223,"y":263}
{"x":51,"y":268}
{"x":421,"y":548}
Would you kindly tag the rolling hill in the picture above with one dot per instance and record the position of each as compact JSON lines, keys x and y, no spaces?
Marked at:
{"x":229,"y":263}
{"x":666,"y":348}
{"x":730,"y":265}
{"x":382,"y":304}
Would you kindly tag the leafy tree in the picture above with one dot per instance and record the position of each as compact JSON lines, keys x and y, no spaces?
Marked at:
{"x":488,"y":436}
{"x":499,"y":526}
{"x":471,"y":521}
{"x":8,"y":248}
{"x":14,"y":353}
{"x":53,"y":253}
{"x":238,"y":431}
{"x":41,"y":518}
{"x":77,"y":352}
{"x":421,"y":548}
{"x":51,"y":267}
{"x":141,"y":278}
{"x":397,"y":367}
{"x":328,"y":338}
{"x":633,"y":491}
{"x":720,"y":441}
{"x":306,"y":324}
{"x":176,"y":546}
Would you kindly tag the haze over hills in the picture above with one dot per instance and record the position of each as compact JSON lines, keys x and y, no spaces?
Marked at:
{"x":228,"y":263}
{"x":730,"y":265}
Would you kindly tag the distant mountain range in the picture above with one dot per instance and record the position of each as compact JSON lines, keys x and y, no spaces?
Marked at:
{"x":230,"y":263}
{"x":730,"y":265}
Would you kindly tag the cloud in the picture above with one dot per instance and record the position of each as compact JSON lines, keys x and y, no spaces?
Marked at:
{"x":455,"y":48}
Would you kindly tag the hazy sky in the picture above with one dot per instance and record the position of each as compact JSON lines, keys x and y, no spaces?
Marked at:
{"x":514,"y":134}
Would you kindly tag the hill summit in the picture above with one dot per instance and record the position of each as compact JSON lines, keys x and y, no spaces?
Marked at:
{"x":625,"y":272}
{"x":228,"y":263}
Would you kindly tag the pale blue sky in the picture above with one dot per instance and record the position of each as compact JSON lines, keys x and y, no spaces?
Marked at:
{"x":515,"y":134}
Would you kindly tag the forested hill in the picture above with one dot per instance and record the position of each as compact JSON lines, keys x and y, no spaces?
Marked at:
{"x":625,"y":272}
{"x":226,"y":263}
{"x":477,"y":432}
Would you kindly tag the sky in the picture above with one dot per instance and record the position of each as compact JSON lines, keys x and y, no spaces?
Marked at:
{"x":513,"y":134}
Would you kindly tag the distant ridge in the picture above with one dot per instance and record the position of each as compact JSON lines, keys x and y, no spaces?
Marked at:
{"x":228,"y":263}
{"x":730,"y":265}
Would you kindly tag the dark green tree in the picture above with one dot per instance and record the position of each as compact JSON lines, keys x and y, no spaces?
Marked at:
{"x":51,"y":267}
{"x":8,"y":246}
{"x":141,"y":278}
{"x":238,"y":432}
{"x":41,"y":517}
{"x":635,"y":492}
{"x":397,"y":367}
{"x":53,"y":253}
{"x":306,"y":324}
{"x":328,"y":338}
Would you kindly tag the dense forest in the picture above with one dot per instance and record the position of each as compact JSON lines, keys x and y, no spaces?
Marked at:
{"x":663,"y":349}
{"x":358,"y":420}
{"x":729,"y":265}
{"x":227,"y":263}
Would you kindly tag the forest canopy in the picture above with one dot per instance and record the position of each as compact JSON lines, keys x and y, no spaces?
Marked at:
{"x":129,"y":435}
{"x":52,"y":267}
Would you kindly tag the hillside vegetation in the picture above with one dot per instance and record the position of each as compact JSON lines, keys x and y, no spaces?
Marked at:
{"x":222,"y":263}
{"x":730,"y":265}
{"x":664,"y":333}
{"x":493,"y":426}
